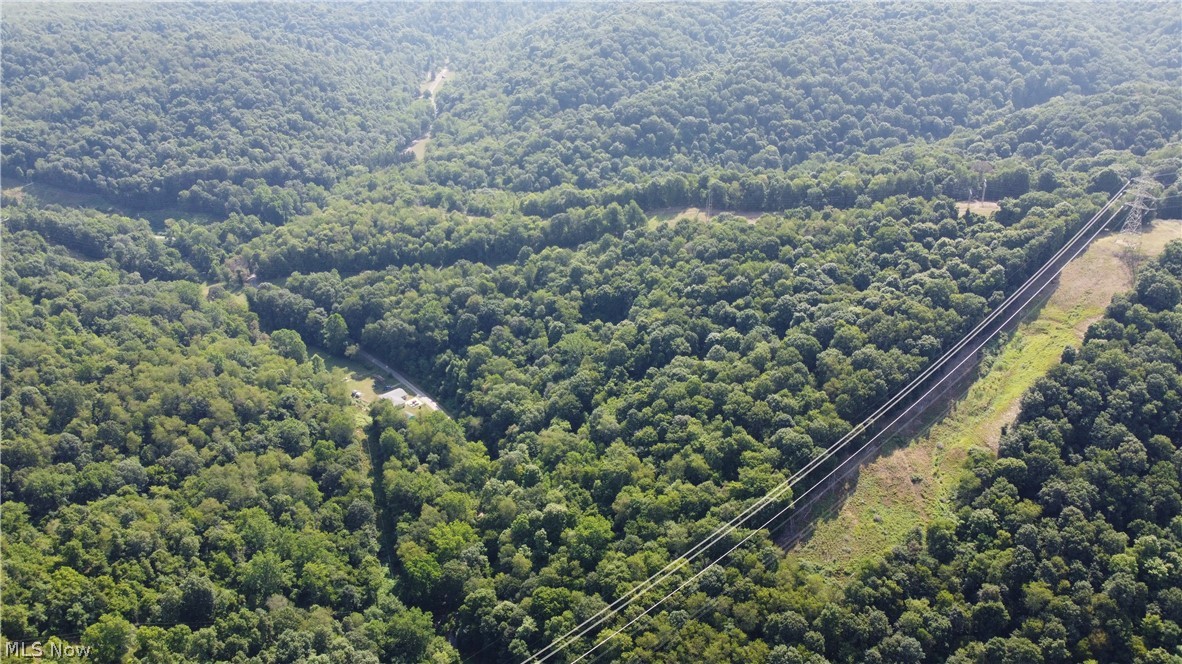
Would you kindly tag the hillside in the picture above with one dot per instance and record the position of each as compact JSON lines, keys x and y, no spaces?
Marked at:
{"x":248,"y":108}
{"x":763,"y":87}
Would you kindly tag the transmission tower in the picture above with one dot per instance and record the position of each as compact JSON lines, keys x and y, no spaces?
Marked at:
{"x":1142,"y":191}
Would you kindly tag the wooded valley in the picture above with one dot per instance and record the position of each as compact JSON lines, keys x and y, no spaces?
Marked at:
{"x":651,"y":260}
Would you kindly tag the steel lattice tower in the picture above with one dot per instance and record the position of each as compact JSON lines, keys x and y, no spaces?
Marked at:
{"x":1142,"y":195}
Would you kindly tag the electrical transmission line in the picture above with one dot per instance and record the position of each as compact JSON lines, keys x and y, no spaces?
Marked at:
{"x":781,"y":491}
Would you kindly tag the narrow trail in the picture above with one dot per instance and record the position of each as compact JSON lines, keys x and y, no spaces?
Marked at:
{"x":434,"y":84}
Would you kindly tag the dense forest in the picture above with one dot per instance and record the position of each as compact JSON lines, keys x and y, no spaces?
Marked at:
{"x":254,"y":108}
{"x":165,"y":466}
{"x":748,"y":86}
{"x":653,"y":261}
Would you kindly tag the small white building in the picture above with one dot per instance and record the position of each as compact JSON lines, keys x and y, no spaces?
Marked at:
{"x":397,"y":396}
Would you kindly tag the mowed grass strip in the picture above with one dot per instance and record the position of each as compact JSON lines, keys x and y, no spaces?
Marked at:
{"x":358,"y":377}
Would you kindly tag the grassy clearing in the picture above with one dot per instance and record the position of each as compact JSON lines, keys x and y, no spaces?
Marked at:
{"x":16,"y":193}
{"x":909,"y":486}
{"x":157,"y":217}
{"x":358,"y":376}
{"x":905,"y":488}
{"x":236,"y":296}
{"x":45,"y":194}
{"x":419,"y":148}
{"x":671,"y":215}
{"x":983,"y":208}
{"x":432,"y":85}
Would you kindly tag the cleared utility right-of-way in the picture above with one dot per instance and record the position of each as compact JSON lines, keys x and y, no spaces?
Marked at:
{"x":909,"y":486}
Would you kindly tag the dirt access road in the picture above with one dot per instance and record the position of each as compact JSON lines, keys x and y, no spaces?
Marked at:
{"x":419,"y":146}
{"x":433,"y":85}
{"x":427,"y":400}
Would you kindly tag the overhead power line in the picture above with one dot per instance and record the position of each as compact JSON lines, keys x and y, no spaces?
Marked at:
{"x":633,"y":595}
{"x":1098,"y":229}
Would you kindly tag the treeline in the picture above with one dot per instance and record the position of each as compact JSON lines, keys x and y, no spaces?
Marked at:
{"x":428,"y":224}
{"x":923,"y":171}
{"x":176,"y":490}
{"x":1064,"y":144}
{"x":915,"y":173}
{"x":352,"y":238}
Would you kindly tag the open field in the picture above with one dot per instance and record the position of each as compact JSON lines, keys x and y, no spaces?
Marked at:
{"x":237,"y":296}
{"x":419,"y":147}
{"x":672,"y":215}
{"x":359,"y":376}
{"x":907,"y":487}
{"x":370,"y":381}
{"x":48,"y":194}
{"x":984,"y":208}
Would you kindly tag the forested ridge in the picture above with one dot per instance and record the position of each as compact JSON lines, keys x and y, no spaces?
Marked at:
{"x":655,"y":259}
{"x":155,"y":105}
{"x":760,"y":87}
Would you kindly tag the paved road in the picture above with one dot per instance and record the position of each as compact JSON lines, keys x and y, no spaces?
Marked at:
{"x":428,"y":400}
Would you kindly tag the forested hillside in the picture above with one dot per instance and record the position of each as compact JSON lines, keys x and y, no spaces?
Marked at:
{"x":653,"y":261}
{"x":752,"y":86}
{"x":164,"y":465}
{"x":251,"y":108}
